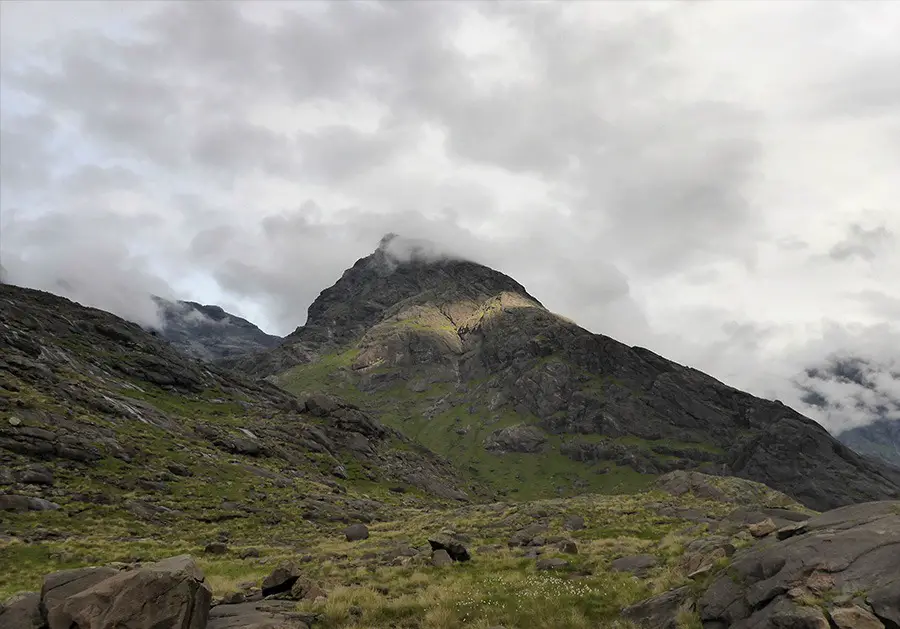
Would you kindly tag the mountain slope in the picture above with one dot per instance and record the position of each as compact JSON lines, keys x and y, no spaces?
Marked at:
{"x":103,"y":424}
{"x":208,"y":332}
{"x":462,"y":358}
{"x":879,"y":439}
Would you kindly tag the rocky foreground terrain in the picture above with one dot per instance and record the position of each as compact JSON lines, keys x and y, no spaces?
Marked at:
{"x":463,"y":359}
{"x":695,"y":551}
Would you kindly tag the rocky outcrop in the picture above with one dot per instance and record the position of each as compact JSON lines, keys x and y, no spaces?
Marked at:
{"x":518,"y":438}
{"x":843,"y":553}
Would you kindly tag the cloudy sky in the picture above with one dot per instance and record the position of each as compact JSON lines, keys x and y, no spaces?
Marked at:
{"x":719,"y":182}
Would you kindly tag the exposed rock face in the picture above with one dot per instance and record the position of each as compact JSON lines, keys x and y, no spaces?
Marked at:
{"x":423,"y":323}
{"x":843,"y":552}
{"x":60,"y":586}
{"x":208,"y":332}
{"x":518,"y":438}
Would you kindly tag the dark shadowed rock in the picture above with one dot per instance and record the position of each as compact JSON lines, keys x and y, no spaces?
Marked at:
{"x":453,"y":547}
{"x":22,"y":611}
{"x":526,"y":536}
{"x":20,"y":504}
{"x":281,"y":579}
{"x":169,"y":593}
{"x":356,"y":532}
{"x":573,"y":523}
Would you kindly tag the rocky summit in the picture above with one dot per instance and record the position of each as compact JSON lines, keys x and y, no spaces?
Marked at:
{"x":208,"y":332}
{"x":466,"y":361}
{"x":432,"y":450}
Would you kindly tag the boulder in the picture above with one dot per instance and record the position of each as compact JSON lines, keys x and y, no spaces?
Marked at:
{"x":21,"y":504}
{"x":639,"y":565}
{"x":59,"y":586}
{"x":281,"y":579}
{"x":169,"y":593}
{"x":551,"y":563}
{"x":441,"y":557}
{"x":22,"y":611}
{"x":568,"y":546}
{"x":216,"y":548}
{"x":356,"y":532}
{"x":454,"y":549}
{"x":761,"y":529}
{"x":573,"y":523}
{"x":525,"y":536}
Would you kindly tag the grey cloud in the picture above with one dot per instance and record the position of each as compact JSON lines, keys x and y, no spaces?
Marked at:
{"x":862,"y":243}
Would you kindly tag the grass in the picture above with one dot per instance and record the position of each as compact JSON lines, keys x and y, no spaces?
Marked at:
{"x":499,"y":586}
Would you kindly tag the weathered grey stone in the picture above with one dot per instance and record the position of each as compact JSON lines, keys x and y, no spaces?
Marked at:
{"x":59,"y":586}
{"x":441,"y":557}
{"x":20,"y":504}
{"x":281,"y":579}
{"x":660,"y":611}
{"x":22,"y":611}
{"x":169,"y":593}
{"x":551,"y":563}
{"x":855,"y":618}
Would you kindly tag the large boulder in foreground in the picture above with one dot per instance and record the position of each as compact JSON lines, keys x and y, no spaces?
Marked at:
{"x":59,"y":586}
{"x":170,"y":593}
{"x":845,"y":553}
{"x":22,"y":611}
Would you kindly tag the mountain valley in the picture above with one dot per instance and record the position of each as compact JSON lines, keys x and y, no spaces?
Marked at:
{"x":432,"y":449}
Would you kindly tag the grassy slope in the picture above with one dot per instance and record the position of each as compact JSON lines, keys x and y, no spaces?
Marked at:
{"x":499,"y":585}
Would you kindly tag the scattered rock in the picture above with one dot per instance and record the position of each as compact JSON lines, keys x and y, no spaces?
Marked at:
{"x":568,"y":546}
{"x":441,"y":557}
{"x":281,"y":579}
{"x":216,"y":548}
{"x":551,"y":563}
{"x":21,"y":504}
{"x":169,"y":593}
{"x":454,"y":549}
{"x":233,"y":598}
{"x":248,"y":553}
{"x":761,"y":529}
{"x":270,"y":614}
{"x":304,"y":589}
{"x":36,"y":475}
{"x":356,"y":532}
{"x":517,"y":438}
{"x":639,"y":565}
{"x":660,"y":611}
{"x":573,"y":523}
{"x":525,"y":536}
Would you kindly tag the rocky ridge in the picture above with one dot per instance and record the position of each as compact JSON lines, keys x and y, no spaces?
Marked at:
{"x":209,"y":333}
{"x":104,"y":425}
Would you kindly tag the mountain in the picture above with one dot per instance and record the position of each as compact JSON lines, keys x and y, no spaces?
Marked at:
{"x":208,"y":332}
{"x":465,"y":360}
{"x":107,"y":425}
{"x":879,"y":439}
